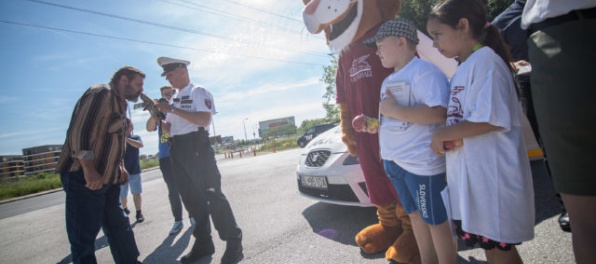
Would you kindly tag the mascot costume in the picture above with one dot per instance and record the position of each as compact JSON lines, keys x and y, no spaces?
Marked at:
{"x":358,"y":81}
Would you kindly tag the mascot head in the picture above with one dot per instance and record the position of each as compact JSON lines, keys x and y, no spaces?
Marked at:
{"x":345,"y":21}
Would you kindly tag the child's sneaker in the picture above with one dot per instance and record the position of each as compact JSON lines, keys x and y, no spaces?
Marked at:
{"x":176,"y":227}
{"x":140,"y":217}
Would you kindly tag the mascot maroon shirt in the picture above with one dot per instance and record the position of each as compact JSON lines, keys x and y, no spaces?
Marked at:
{"x":358,"y":83}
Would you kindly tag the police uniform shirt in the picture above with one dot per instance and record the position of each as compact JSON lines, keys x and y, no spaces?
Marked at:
{"x":191,"y":98}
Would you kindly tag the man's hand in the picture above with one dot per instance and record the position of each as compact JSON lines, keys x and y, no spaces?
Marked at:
{"x":164,"y":106}
{"x":124,"y":176}
{"x":93,"y":180}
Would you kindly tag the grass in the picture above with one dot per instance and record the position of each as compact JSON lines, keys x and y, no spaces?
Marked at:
{"x":28,"y":185}
{"x":49,"y":181}
{"x":280,"y":144}
{"x":25,"y":185}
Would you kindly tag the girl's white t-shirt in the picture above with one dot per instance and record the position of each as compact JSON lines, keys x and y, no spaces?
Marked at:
{"x":489,"y":178}
{"x":407,"y":144}
{"x":191,"y":98}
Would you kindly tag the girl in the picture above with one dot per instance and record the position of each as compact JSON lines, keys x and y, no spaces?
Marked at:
{"x":488,"y":178}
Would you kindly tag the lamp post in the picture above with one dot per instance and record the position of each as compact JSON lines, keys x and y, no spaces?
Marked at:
{"x":244,"y":124}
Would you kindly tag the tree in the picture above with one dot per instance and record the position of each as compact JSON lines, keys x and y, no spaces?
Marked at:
{"x":418,"y":10}
{"x":331,"y":109}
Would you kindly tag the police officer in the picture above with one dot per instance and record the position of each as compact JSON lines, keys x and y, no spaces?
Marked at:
{"x":195,"y":168}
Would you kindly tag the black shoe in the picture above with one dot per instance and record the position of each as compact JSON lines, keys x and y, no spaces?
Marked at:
{"x":140,"y":217}
{"x":198,"y":251}
{"x":233,"y":253}
{"x":564,"y":221}
{"x":126,"y":211}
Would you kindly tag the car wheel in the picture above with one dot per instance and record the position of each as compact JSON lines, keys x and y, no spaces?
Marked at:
{"x":301,"y":144}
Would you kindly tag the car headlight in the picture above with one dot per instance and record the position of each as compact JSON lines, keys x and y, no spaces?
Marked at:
{"x":351,"y":160}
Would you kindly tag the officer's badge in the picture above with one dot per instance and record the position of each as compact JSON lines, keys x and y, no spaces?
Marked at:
{"x":208,"y":103}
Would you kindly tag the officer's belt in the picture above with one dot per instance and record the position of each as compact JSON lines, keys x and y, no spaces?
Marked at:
{"x":189,"y":136}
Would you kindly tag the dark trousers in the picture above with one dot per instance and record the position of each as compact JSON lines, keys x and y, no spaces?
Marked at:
{"x":199,"y":182}
{"x":87,"y":211}
{"x":165,"y":165}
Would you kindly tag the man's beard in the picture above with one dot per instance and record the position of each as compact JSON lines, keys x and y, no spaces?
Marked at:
{"x":131,"y":97}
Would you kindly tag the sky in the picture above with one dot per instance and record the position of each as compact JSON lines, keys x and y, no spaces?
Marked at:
{"x":255,"y":57}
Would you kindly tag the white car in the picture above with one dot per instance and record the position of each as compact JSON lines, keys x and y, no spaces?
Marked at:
{"x":328,"y":173}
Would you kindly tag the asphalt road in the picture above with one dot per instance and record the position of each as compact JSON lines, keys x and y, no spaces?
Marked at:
{"x":279,"y":225}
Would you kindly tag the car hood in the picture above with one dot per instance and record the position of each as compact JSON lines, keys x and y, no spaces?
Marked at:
{"x":330,"y":139}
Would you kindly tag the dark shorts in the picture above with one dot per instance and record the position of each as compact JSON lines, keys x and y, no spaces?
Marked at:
{"x":483,"y":242}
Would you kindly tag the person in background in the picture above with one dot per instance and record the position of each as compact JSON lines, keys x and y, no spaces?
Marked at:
{"x":133,"y":166}
{"x":561,"y":50}
{"x":165,"y":164}
{"x":91,"y":169}
{"x":413,"y":104}
{"x":509,"y":23}
{"x":489,"y":181}
{"x":195,"y":168}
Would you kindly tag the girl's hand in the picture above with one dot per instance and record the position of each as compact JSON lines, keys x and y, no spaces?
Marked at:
{"x":452,"y":144}
{"x":437,"y":145}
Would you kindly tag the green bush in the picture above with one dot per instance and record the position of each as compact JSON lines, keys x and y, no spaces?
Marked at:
{"x":29,"y":184}
{"x":149,"y":163}
{"x":25,"y":185}
{"x":280,"y":144}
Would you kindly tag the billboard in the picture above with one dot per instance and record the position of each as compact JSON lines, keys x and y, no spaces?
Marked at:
{"x":277,"y":127}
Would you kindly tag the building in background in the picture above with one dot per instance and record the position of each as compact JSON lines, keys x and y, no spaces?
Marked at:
{"x":41,"y":158}
{"x":11,"y":166}
{"x":280,"y":127}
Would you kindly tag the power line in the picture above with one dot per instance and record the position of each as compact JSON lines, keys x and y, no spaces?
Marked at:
{"x":261,"y":10}
{"x":152,"y":42}
{"x":235,"y":16}
{"x":170,"y":27}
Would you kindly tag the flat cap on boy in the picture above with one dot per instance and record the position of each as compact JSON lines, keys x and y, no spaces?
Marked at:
{"x":398,"y":27}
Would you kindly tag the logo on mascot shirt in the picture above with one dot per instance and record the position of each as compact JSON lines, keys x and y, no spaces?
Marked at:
{"x":208,"y":103}
{"x":360,"y":68}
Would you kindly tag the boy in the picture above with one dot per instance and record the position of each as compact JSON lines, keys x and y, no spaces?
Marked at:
{"x":133,"y":167}
{"x":413,"y":103}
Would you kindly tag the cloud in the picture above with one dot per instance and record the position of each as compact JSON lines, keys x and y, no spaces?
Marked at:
{"x":8,"y":99}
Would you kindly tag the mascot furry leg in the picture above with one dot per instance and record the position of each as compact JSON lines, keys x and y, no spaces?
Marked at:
{"x":394,"y":231}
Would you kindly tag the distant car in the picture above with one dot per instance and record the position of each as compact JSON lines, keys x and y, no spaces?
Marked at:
{"x":313,"y":132}
{"x":327,"y":172}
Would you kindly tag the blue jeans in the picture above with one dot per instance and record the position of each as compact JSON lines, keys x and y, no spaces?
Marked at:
{"x":87,"y":211}
{"x":165,"y":165}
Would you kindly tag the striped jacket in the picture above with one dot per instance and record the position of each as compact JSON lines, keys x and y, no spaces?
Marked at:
{"x":97,"y":131}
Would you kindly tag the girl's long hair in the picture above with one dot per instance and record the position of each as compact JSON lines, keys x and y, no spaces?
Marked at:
{"x":450,"y":12}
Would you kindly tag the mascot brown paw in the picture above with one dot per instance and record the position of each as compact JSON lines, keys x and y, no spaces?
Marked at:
{"x":404,"y":250}
{"x":376,"y":238}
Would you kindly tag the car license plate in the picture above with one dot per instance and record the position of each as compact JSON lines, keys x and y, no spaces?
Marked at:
{"x":318,"y":182}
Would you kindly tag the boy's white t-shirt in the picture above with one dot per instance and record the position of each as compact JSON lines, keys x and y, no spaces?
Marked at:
{"x":407,"y":144}
{"x":191,"y":98}
{"x":489,"y":177}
